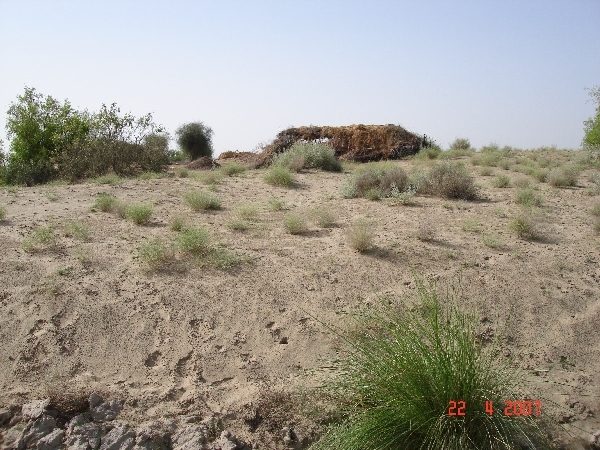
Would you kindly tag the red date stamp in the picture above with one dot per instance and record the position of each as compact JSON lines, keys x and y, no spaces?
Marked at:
{"x":511,"y":408}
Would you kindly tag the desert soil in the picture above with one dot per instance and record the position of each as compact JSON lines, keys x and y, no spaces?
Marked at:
{"x":198,"y":339}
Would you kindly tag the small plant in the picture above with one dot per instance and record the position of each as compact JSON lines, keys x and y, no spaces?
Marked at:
{"x":78,"y":231}
{"x":540,"y":175}
{"x":595,"y":210}
{"x":470,"y":225}
{"x":522,"y":182}
{"x":563,"y":177}
{"x":2,"y":213}
{"x":361,"y":236}
{"x":492,"y":240}
{"x":41,"y":237}
{"x":194,"y":240}
{"x":238,"y":225}
{"x":51,"y":195}
{"x":155,"y":253}
{"x":528,"y":198}
{"x":279,"y":176}
{"x":426,"y":232}
{"x":233,"y":168}
{"x":139,"y":213}
{"x":210,"y":177}
{"x":597,"y":227}
{"x":120,"y":209}
{"x":460,"y":144}
{"x":177,"y":223}
{"x":64,"y":271}
{"x":247,"y":212}
{"x":501,"y":181}
{"x":182,"y":172}
{"x":373,"y":194}
{"x":151,"y":175}
{"x":486,"y":171}
{"x":111,"y":179}
{"x":348,"y":189}
{"x":201,"y":200}
{"x":295,"y":223}
{"x":451,"y":181}
{"x":275,"y":204}
{"x":524,"y":226}
{"x":105,"y":202}
{"x":323,"y":217}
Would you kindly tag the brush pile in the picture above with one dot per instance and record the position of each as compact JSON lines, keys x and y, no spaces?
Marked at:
{"x":355,"y":142}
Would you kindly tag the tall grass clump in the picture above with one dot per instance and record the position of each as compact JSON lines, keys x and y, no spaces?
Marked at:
{"x":449,"y":180}
{"x":524,"y":226}
{"x":201,"y":200}
{"x":111,"y":178}
{"x":279,"y":176}
{"x":139,"y":213}
{"x":432,"y":152}
{"x":404,"y":364}
{"x":41,"y":238}
{"x":308,"y":155}
{"x":323,"y":217}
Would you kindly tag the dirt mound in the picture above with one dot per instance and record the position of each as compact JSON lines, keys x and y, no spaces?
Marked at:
{"x":355,"y":142}
{"x":204,"y":162}
{"x":242,"y":157}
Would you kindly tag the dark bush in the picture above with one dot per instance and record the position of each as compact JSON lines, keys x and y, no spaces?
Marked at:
{"x":451,"y":181}
{"x":195,"y":139}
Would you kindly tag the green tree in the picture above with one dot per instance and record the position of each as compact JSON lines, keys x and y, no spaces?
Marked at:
{"x":592,"y":125}
{"x":195,"y":139}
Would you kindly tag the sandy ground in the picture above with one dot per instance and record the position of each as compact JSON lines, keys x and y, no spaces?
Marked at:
{"x":86,"y":314}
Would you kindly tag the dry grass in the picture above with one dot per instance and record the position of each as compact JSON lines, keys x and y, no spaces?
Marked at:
{"x":426,"y":232}
{"x":361,"y":235}
{"x":295,"y":223}
{"x":323,"y":217}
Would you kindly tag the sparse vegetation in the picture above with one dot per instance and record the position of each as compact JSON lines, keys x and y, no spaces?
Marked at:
{"x":104,"y":202}
{"x":110,"y":178}
{"x":182,"y":172}
{"x":486,"y":171}
{"x":155,"y":254}
{"x":470,"y":225}
{"x":323,"y":217}
{"x":247,"y":211}
{"x":375,"y":180}
{"x":524,"y":226}
{"x":195,"y":139}
{"x":279,"y":176}
{"x":2,"y":213}
{"x":308,"y":155}
{"x":406,"y":197}
{"x":373,"y":194}
{"x":449,"y":180}
{"x":492,"y":240}
{"x":233,"y":168}
{"x":78,"y":231}
{"x":139,"y":213}
{"x":199,"y":200}
{"x":238,"y":225}
{"x":194,"y":240}
{"x":275,"y":204}
{"x":177,"y":223}
{"x":528,"y":198}
{"x":595,"y":211}
{"x":41,"y":238}
{"x":501,"y":181}
{"x":563,"y":177}
{"x":151,"y":175}
{"x":426,"y":232}
{"x":361,"y":235}
{"x":295,"y":223}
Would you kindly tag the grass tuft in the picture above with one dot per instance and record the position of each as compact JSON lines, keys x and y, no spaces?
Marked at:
{"x":295,"y":223}
{"x":2,"y":213}
{"x":104,"y":202}
{"x":193,"y":240}
{"x":201,"y":200}
{"x":524,"y":226}
{"x":563,"y":177}
{"x":528,"y":198}
{"x":41,"y":238}
{"x":182,"y":172}
{"x":279,"y":176}
{"x":361,"y":236}
{"x":323,"y":217}
{"x":233,"y":168}
{"x":139,"y":213}
{"x":501,"y":181}
{"x":177,"y":223}
{"x":111,"y":179}
{"x":275,"y":204}
{"x":155,"y":254}
{"x":78,"y":231}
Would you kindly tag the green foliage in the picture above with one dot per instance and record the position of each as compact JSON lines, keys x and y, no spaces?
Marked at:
{"x":2,"y":213}
{"x":194,"y":240}
{"x":195,"y":139}
{"x":275,"y":204}
{"x":405,"y":197}
{"x":139,"y":213}
{"x":42,"y":237}
{"x":155,"y":254}
{"x":308,"y":155}
{"x":295,"y":223}
{"x":528,"y":198}
{"x":432,"y":152}
{"x":565,"y":176}
{"x":78,"y":231}
{"x":201,"y":200}
{"x":176,"y":155}
{"x":460,"y":144}
{"x":595,"y":210}
{"x":182,"y":172}
{"x":375,"y":180}
{"x":373,"y":194}
{"x":405,"y":362}
{"x":501,"y":181}
{"x":279,"y":176}
{"x":492,"y":240}
{"x":323,"y":217}
{"x":592,"y":125}
{"x":110,"y":178}
{"x":525,"y":227}
{"x":177,"y":223}
{"x":105,"y":202}
{"x":449,"y":180}
{"x":151,"y":175}
{"x":233,"y":168}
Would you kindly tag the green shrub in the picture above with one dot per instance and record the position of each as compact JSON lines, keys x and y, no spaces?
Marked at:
{"x":275,"y":204}
{"x":279,"y":176}
{"x":540,"y":175}
{"x":176,"y":156}
{"x":373,"y":194}
{"x":139,"y":213}
{"x":110,"y":178}
{"x":155,"y":254}
{"x":247,"y":211}
{"x":238,"y":225}
{"x":470,"y":225}
{"x":528,"y":197}
{"x":105,"y":202}
{"x":563,"y":177}
{"x":2,"y":213}
{"x":595,"y":210}
{"x":486,"y":171}
{"x":597,"y":226}
{"x":405,"y":197}
{"x":361,"y":235}
{"x":592,"y":125}
{"x":348,"y":189}
{"x":195,"y":139}
{"x":323,"y":217}
{"x":194,"y":240}
{"x":375,"y":180}
{"x":432,"y":152}
{"x":295,"y":223}
{"x":233,"y":168}
{"x":151,"y":175}
{"x":501,"y":181}
{"x":524,"y":226}
{"x":395,"y":177}
{"x":177,"y":223}
{"x":182,"y":172}
{"x":308,"y":155}
{"x":460,"y":144}
{"x":404,"y":363}
{"x":201,"y":200}
{"x":492,"y":240}
{"x":78,"y":231}
{"x":451,"y":181}
{"x":120,"y":209}
{"x":42,"y":237}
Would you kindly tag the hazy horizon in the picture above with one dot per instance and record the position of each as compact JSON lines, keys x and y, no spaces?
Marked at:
{"x":509,"y":72}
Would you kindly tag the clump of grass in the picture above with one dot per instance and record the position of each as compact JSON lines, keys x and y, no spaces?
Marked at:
{"x":323,"y":217}
{"x":595,"y":210}
{"x":247,"y":212}
{"x":210,"y":177}
{"x":524,"y":226}
{"x":151,"y":175}
{"x":528,"y":198}
{"x":470,"y":225}
{"x":177,"y":223}
{"x":193,"y":240}
{"x":486,"y":171}
{"x":501,"y":181}
{"x":373,"y":194}
{"x":41,"y":238}
{"x":2,"y":213}
{"x":104,"y":202}
{"x":279,"y":176}
{"x":375,"y":180}
{"x":111,"y":179}
{"x":361,"y":235}
{"x":120,"y":209}
{"x":51,"y":195}
{"x":295,"y":223}
{"x":432,"y":152}
{"x":139,"y":213}
{"x":449,"y":180}
{"x":238,"y":225}
{"x":233,"y":168}
{"x":155,"y":254}
{"x":404,"y":363}
{"x":563,"y":177}
{"x":597,"y":227}
{"x":405,"y":197}
{"x":222,"y":258}
{"x":492,"y":240}
{"x":275,"y":204}
{"x":540,"y":175}
{"x":199,"y":200}
{"x":426,"y":232}
{"x":182,"y":172}
{"x":522,"y":182}
{"x":78,"y":231}
{"x":308,"y":155}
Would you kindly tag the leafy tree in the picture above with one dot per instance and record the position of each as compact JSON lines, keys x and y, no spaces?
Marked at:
{"x":195,"y":139}
{"x":592,"y":125}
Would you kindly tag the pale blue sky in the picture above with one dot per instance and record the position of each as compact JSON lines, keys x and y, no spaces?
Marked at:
{"x":512,"y":72}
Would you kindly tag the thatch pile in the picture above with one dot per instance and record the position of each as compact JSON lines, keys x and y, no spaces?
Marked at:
{"x":355,"y":142}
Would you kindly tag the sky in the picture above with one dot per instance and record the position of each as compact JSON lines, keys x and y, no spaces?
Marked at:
{"x":510,"y":72}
